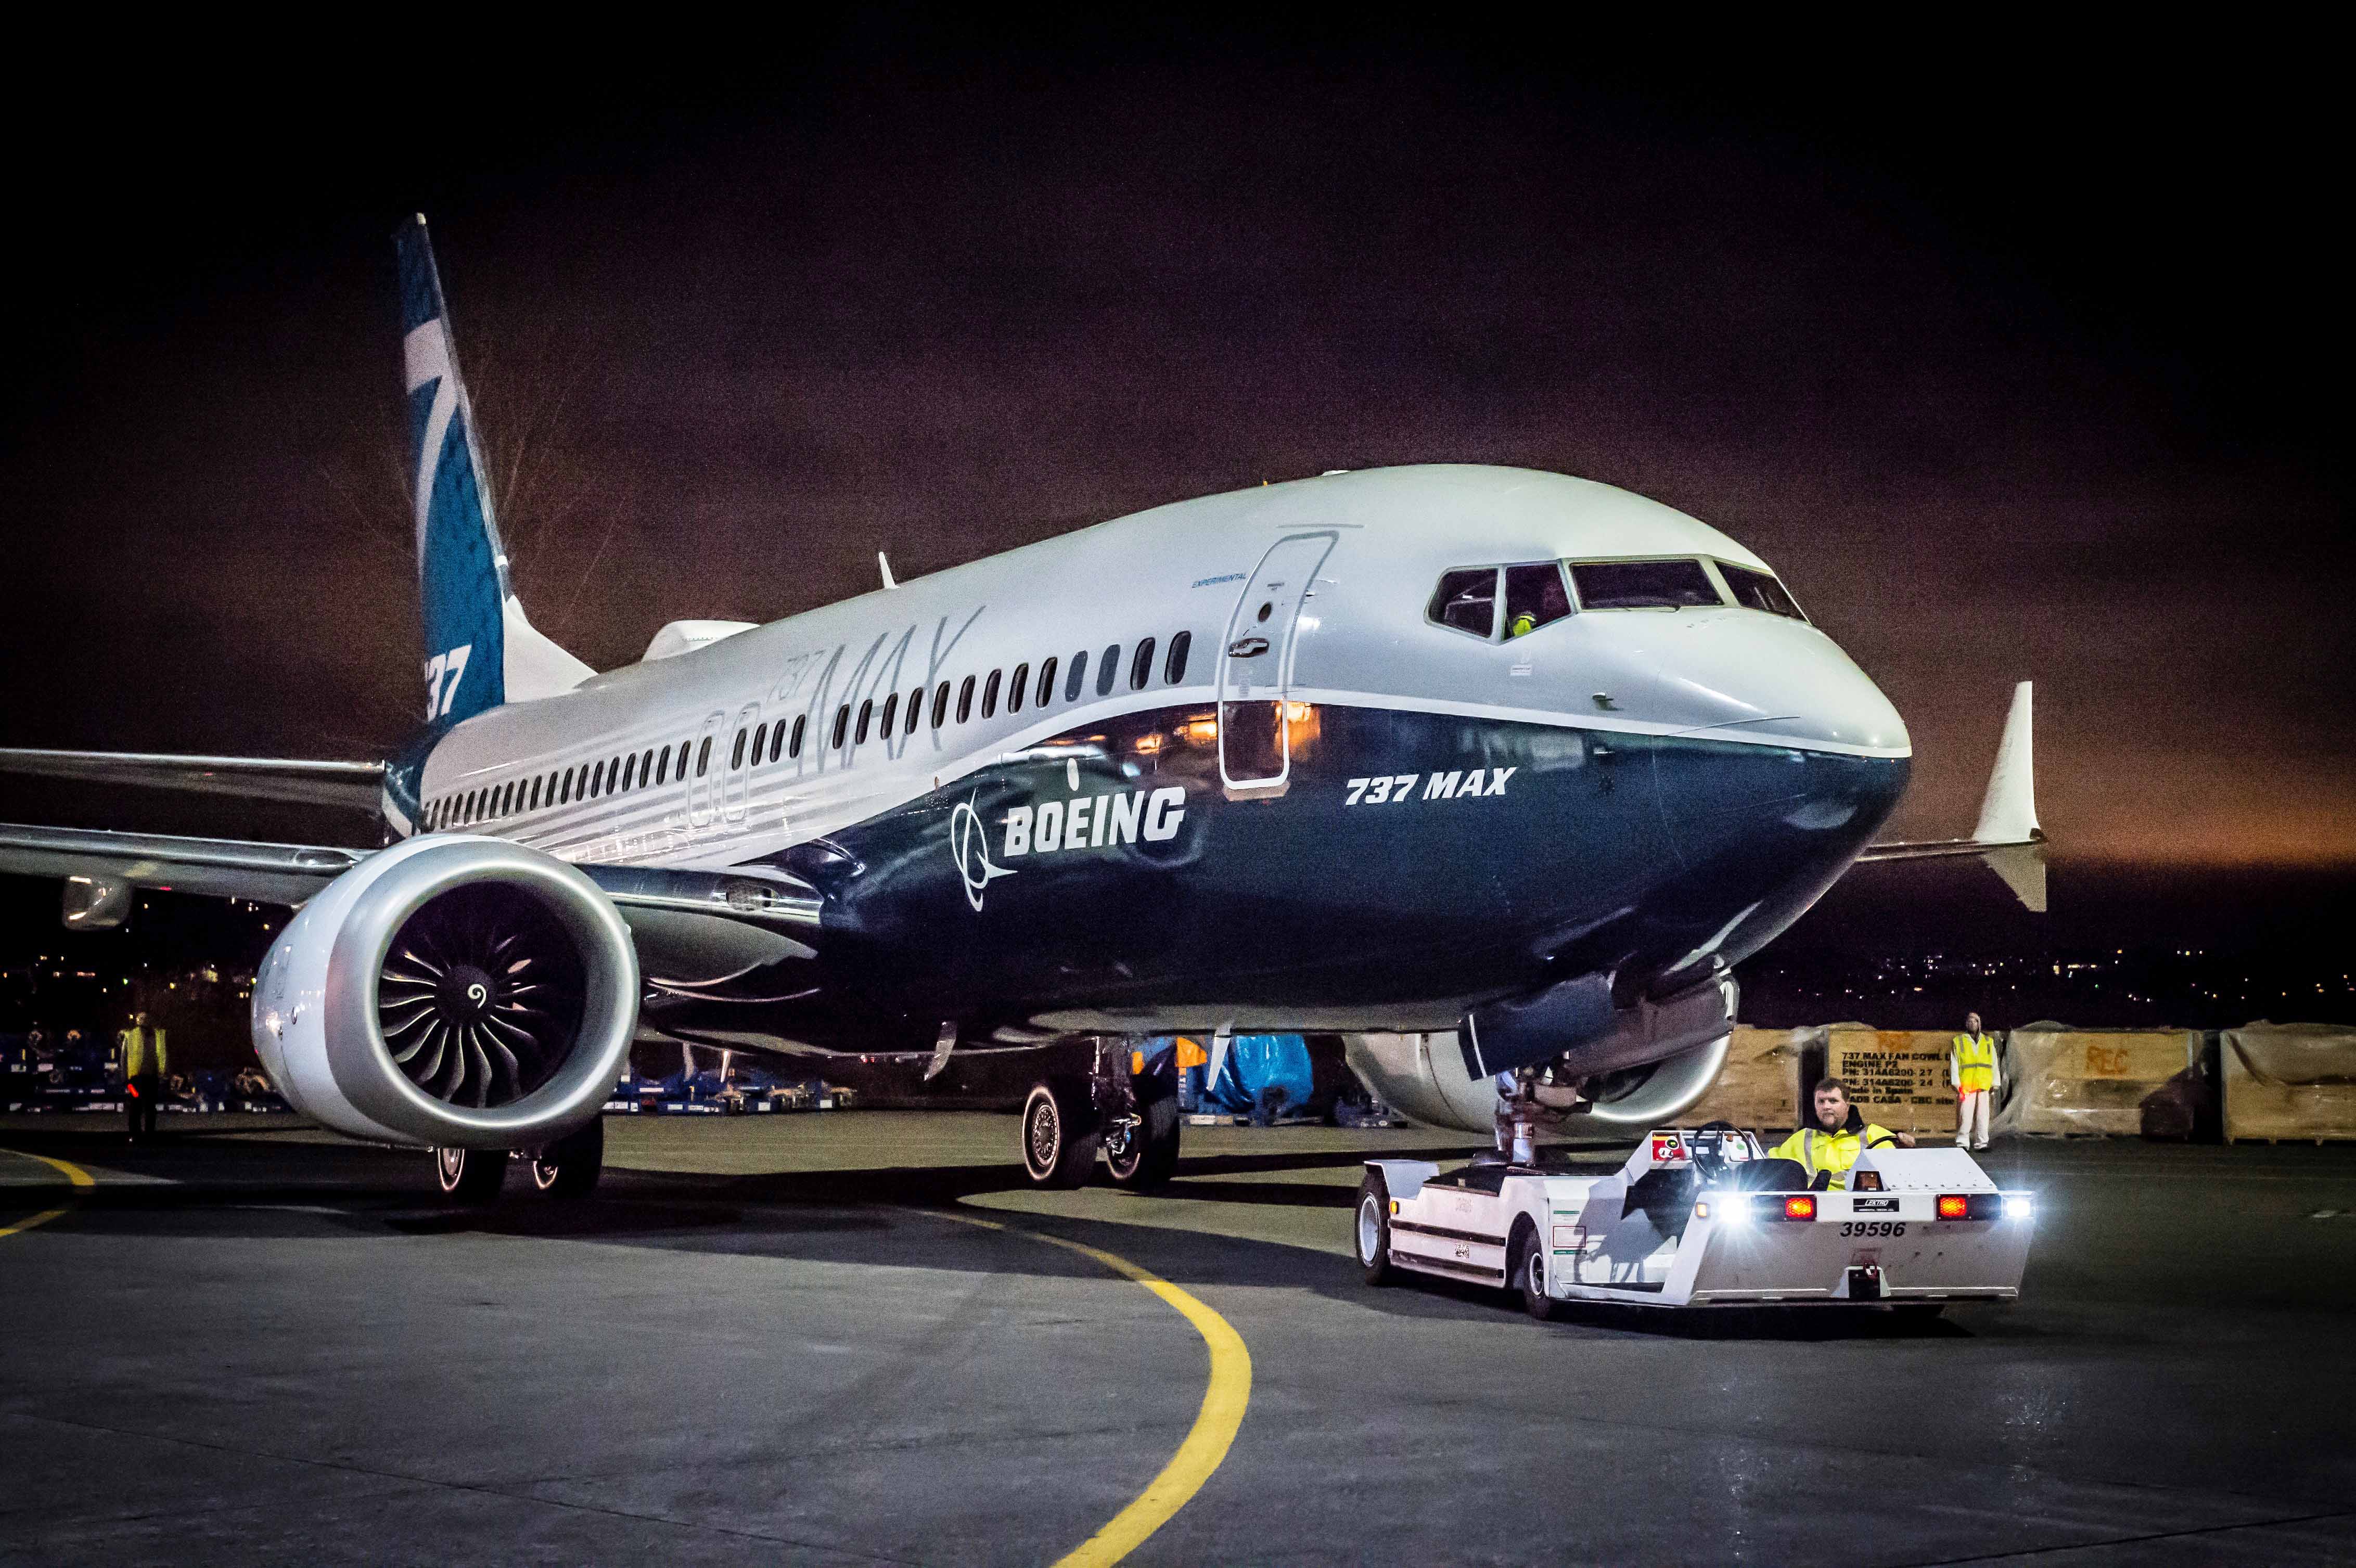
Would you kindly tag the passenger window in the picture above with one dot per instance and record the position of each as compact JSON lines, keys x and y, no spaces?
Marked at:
{"x":916,"y":708}
{"x":1758,"y":591}
{"x":891,"y":714}
{"x":534,"y":804}
{"x":1078,"y":678}
{"x":1046,"y":683}
{"x":866,"y":711}
{"x":760,"y":741}
{"x":1642,"y":584}
{"x":629,"y":773}
{"x":1140,"y":666}
{"x":1173,"y":669}
{"x":1534,"y":596}
{"x":662,"y":766}
{"x":1017,"y":687}
{"x":940,"y":704}
{"x":597,"y":781}
{"x":841,"y":725}
{"x":1467,"y":601}
{"x":794,"y":749}
{"x":704,"y":757}
{"x":965,"y":701}
{"x":990,"y":696}
{"x":1107,"y":670}
{"x":777,"y":740}
{"x":645,"y":770}
{"x":736,"y":753}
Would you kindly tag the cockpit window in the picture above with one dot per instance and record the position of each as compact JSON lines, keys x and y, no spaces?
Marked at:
{"x":1534,"y":595}
{"x":1642,"y":584}
{"x":1468,"y":602}
{"x":1758,"y":591}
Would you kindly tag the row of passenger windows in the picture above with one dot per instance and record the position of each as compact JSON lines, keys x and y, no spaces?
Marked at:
{"x":1015,"y":689}
{"x":770,"y":742}
{"x":1536,"y":593}
{"x":588,"y":780}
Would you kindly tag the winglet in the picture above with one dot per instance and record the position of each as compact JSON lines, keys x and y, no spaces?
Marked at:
{"x":2009,"y":813}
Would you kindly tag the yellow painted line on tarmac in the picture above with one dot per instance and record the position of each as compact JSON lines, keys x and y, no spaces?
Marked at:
{"x":1207,"y":1444}
{"x":74,"y":1175}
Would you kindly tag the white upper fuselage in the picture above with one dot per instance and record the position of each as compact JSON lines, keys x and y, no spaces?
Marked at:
{"x":1364,"y":639}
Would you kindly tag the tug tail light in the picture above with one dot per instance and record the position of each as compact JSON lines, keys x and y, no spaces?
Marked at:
{"x":1971,"y":1205}
{"x":1801,"y":1206}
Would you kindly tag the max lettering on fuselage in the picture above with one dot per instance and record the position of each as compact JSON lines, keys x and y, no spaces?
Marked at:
{"x":1452,"y":785}
{"x":1095,"y":821}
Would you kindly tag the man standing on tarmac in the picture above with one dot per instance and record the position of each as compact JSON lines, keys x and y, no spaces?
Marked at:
{"x":143,"y":1075}
{"x":1831,"y":1147}
{"x":1972,"y":1069}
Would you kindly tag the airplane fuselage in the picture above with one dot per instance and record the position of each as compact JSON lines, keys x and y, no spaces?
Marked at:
{"x":1265,"y":785}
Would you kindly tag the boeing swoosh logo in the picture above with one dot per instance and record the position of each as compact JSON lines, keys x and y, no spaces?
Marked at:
{"x":969,"y":847}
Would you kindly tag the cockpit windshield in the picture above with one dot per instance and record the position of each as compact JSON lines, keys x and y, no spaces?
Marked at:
{"x":1642,"y":584}
{"x":1758,"y":591}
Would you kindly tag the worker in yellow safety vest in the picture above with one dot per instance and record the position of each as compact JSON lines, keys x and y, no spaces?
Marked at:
{"x":1972,"y":1069}
{"x":144,"y":1063}
{"x":1831,"y":1147}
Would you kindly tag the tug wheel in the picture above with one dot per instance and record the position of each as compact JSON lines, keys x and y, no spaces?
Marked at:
{"x":1527,"y":1269}
{"x":1374,"y":1229}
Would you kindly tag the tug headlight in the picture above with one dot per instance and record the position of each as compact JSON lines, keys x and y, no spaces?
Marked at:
{"x":1733,"y":1207}
{"x":2018,"y":1206}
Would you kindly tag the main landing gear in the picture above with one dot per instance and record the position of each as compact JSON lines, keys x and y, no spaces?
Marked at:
{"x":569,"y":1167}
{"x":1123,"y":1105}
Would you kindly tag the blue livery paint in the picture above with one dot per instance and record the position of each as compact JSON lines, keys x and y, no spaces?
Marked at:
{"x":461,"y":565}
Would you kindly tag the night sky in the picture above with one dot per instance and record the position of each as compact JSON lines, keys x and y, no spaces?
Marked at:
{"x":2017,"y":359}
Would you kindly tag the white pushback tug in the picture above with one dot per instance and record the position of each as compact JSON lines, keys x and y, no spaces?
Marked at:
{"x":1703,"y":1218}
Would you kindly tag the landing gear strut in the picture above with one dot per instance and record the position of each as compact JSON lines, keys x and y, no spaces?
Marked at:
{"x":1132,"y":1116}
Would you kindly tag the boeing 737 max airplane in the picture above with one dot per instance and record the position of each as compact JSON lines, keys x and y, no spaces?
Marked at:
{"x":1389,"y":753}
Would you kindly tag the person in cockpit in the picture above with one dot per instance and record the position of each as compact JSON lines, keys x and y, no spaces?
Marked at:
{"x":1831,"y":1147}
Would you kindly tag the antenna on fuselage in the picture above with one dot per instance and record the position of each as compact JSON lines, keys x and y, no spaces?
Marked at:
{"x":885,"y":562}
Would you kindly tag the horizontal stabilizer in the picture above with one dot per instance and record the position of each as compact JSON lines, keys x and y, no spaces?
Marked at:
{"x":357,"y":787}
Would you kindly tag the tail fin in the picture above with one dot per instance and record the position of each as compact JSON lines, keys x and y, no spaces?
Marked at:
{"x":2007,"y":837}
{"x":481,"y":650}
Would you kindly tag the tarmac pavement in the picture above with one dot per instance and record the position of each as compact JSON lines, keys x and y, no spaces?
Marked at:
{"x":781,"y":1338}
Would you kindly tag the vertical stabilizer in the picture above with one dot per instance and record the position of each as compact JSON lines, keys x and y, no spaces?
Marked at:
{"x":480,"y":648}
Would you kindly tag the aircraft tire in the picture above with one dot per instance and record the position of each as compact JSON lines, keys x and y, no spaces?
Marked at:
{"x":1526,"y":1268}
{"x":1373,"y":1228}
{"x":471,"y":1178}
{"x":1150,"y":1158}
{"x":1057,"y":1151}
{"x":570,"y":1167}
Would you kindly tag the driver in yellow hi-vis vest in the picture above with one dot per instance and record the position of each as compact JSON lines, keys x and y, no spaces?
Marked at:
{"x":1972,"y":1068}
{"x":1841,"y":1134}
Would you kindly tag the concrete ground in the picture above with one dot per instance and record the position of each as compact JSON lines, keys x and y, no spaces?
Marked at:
{"x":768,"y":1339}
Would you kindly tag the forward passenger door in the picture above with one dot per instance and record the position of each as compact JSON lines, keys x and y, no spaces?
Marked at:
{"x":1256,"y":666}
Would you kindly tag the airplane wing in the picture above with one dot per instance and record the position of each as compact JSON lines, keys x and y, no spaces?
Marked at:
{"x":225,"y":867}
{"x":694,"y":928}
{"x":2008,"y":835}
{"x":356,"y":786}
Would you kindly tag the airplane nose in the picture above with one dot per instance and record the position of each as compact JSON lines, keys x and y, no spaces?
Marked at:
{"x":1785,"y":678}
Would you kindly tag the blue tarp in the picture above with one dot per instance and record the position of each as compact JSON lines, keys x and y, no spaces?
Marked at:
{"x":1258,"y":1063}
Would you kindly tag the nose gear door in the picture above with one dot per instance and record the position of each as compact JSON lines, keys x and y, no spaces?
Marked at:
{"x":1256,"y":666}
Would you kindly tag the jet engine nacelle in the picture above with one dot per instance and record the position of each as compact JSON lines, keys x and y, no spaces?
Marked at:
{"x":1640,"y":1065}
{"x":451,"y":991}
